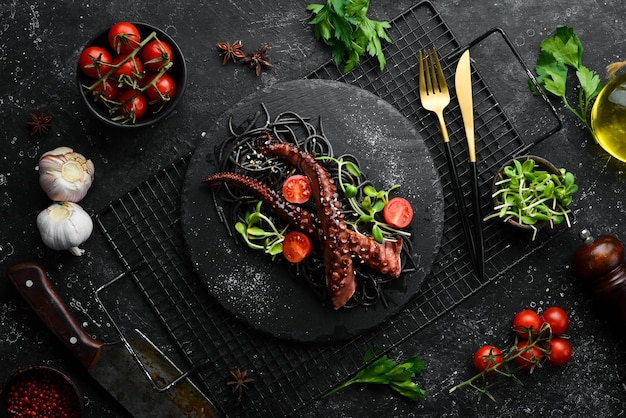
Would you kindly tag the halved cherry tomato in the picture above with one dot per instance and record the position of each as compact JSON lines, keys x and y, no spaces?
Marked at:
{"x":156,"y":55}
{"x":529,"y":357}
{"x":123,"y":37}
{"x":164,"y":88}
{"x":95,"y":62}
{"x":398,"y":212}
{"x":557,"y":319}
{"x":487,"y":357}
{"x":560,"y":351}
{"x":133,"y":105}
{"x":297,"y":189}
{"x":526,"y":323}
{"x":296,"y":246}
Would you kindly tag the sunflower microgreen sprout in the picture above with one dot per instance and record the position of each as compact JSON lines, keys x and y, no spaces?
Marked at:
{"x":260,"y":233}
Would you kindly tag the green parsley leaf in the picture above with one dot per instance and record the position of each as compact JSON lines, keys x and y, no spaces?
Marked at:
{"x":385,"y":371}
{"x":557,"y":55}
{"x":344,"y":27}
{"x":567,"y":51}
{"x":589,"y":82}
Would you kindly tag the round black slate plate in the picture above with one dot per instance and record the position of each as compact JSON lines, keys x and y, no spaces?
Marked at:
{"x":261,"y":292}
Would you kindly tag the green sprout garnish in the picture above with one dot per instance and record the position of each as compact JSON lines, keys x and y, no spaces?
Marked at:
{"x":260,"y":233}
{"x":529,"y":195}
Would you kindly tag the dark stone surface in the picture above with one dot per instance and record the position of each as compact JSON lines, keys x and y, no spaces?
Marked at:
{"x":40,"y":43}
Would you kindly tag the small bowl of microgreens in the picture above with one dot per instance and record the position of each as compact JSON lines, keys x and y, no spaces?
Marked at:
{"x":530,"y":192}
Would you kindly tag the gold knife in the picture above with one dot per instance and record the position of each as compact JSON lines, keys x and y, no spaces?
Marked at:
{"x":463,"y":86}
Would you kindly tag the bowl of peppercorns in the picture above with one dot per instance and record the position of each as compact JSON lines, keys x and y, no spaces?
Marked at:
{"x":40,"y":391}
{"x":131,"y":75}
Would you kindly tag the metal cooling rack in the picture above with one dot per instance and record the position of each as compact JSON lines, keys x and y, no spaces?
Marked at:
{"x":143,"y":228}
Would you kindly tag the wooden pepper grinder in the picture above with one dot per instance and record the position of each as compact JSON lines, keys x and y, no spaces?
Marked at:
{"x":600,"y":263}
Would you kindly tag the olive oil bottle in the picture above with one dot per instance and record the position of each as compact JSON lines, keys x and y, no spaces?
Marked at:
{"x":608,"y":117}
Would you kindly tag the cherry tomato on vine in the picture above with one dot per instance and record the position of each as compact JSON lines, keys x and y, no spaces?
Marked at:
{"x":296,"y":246}
{"x":486,"y":357}
{"x":557,"y":318}
{"x":133,"y":105}
{"x":123,"y":37}
{"x":560,"y":351}
{"x":526,"y":323}
{"x":105,"y":90}
{"x":163,"y":89}
{"x":529,"y":357}
{"x":398,"y":212}
{"x":94,"y":62}
{"x":156,"y":55}
{"x":130,"y":71}
{"x":297,"y":189}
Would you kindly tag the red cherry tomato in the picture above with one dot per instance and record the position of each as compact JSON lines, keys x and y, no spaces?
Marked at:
{"x":163,"y":89}
{"x":557,"y":319}
{"x":297,"y":189}
{"x":133,"y":105}
{"x":129,"y":71}
{"x":528,"y":357}
{"x":106,"y":90}
{"x":94,"y":62}
{"x":296,"y":246}
{"x":560,"y":351}
{"x":398,"y":212}
{"x":526,"y":323}
{"x":123,"y":38}
{"x":156,"y":55}
{"x":487,"y":357}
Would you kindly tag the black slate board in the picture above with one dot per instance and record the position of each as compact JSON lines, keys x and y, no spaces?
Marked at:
{"x":261,"y":292}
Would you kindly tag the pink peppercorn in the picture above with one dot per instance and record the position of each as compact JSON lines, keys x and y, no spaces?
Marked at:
{"x":41,"y":392}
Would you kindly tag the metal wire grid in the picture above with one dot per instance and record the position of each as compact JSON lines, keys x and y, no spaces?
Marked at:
{"x":143,"y":227}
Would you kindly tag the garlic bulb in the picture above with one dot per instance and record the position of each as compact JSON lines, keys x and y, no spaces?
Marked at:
{"x":64,"y":226}
{"x":65,"y":175}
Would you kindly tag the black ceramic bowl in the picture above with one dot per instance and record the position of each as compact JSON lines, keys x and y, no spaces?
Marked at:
{"x":178,"y":72}
{"x":48,"y":389}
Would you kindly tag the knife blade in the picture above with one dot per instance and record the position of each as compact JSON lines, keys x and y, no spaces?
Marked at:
{"x":113,"y":365}
{"x":463,"y":87}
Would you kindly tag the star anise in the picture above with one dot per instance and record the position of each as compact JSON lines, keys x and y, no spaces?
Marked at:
{"x":229,"y":51}
{"x":258,"y":59}
{"x":239,"y":378}
{"x":40,"y":124}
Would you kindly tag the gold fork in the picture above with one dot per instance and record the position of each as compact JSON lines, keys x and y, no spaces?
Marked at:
{"x":434,"y":93}
{"x":435,"y":97}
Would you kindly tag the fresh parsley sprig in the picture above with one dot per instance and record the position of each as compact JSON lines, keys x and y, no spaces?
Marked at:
{"x":344,"y":27}
{"x":558,"y":54}
{"x":385,"y":371}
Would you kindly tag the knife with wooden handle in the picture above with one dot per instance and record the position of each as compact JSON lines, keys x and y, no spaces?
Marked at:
{"x":463,"y":87}
{"x":113,"y":365}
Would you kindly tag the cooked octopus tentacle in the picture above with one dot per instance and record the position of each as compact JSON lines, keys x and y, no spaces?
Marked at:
{"x":294,"y":214}
{"x":334,"y":239}
{"x":384,"y":257}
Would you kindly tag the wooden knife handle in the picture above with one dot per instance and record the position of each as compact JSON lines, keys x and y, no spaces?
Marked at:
{"x":31,"y":281}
